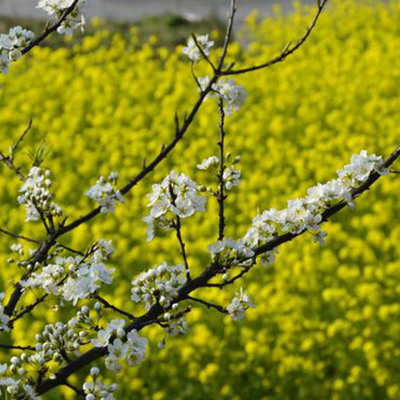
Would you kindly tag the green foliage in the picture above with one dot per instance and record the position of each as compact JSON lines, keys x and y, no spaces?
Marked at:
{"x":326,"y":324}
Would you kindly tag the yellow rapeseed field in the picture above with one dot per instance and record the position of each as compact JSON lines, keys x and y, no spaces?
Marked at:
{"x":327,"y":319}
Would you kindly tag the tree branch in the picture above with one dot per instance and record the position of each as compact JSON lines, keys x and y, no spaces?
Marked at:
{"x":201,"y":281}
{"x":287,"y":51}
{"x":221,"y":194}
{"x":51,"y":29}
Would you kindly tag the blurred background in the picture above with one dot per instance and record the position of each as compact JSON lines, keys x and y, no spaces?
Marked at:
{"x":133,"y":10}
{"x":327,"y":320}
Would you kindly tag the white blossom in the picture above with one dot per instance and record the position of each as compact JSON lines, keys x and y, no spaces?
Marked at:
{"x":307,"y":213}
{"x":231,"y":178}
{"x":233,"y":95}
{"x":56,"y":8}
{"x":105,"y":192}
{"x":134,"y":349}
{"x":193,"y":52}
{"x":85,"y":276}
{"x":177,"y":195}
{"x":240,"y":303}
{"x":159,"y":284}
{"x":137,"y":348}
{"x":208,"y":163}
{"x":177,"y":327}
{"x":36,"y":196}
{"x":234,"y":252}
{"x":96,"y":390}
{"x":4,"y":319}
{"x":11,"y":46}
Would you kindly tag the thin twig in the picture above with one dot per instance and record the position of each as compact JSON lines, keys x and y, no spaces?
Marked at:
{"x":221,"y":194}
{"x":79,"y":392}
{"x":23,"y":348}
{"x":109,"y":305}
{"x":14,"y":148}
{"x":287,"y":51}
{"x":202,"y":52}
{"x":228,"y":35}
{"x":208,"y":304}
{"x":63,"y":246}
{"x":19,"y":237}
{"x":28,"y":309}
{"x":178,"y":227}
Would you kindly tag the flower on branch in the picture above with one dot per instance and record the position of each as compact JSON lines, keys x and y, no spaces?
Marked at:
{"x":240,"y":303}
{"x":11,"y":45}
{"x":159,"y":284}
{"x":210,"y":162}
{"x":96,"y":390}
{"x":306,"y":213}
{"x":36,"y":196}
{"x":84,"y":276}
{"x":56,"y":8}
{"x":4,"y":319}
{"x":232,"y":252}
{"x":105,"y":192}
{"x":134,"y":349}
{"x":177,"y":195}
{"x":192,"y":50}
{"x":233,"y":95}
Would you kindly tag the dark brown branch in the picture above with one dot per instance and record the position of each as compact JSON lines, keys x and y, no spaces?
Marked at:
{"x":38,"y":257}
{"x":178,"y":228}
{"x":29,"y":308}
{"x":244,"y":271}
{"x":23,"y":348}
{"x":221,"y":194}
{"x":287,"y":51}
{"x":201,"y":281}
{"x":106,"y":304}
{"x":79,"y":392}
{"x":19,"y":237}
{"x":208,"y":304}
{"x":70,"y":249}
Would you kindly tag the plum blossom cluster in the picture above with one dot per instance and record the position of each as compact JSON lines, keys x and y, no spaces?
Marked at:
{"x":11,"y":46}
{"x":15,"y":388}
{"x":75,"y":278}
{"x":36,"y":196}
{"x":96,"y":390}
{"x":105,"y":192}
{"x":53,"y":345}
{"x":55,"y":342}
{"x":306,"y":213}
{"x":159,"y":284}
{"x":134,"y":349}
{"x":240,"y":303}
{"x":115,"y":327}
{"x":231,"y":175}
{"x":232,"y":95}
{"x":56,"y":8}
{"x":192,"y":50}
{"x":177,"y":326}
{"x":4,"y":319}
{"x":177,"y":195}
{"x":232,"y":252}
